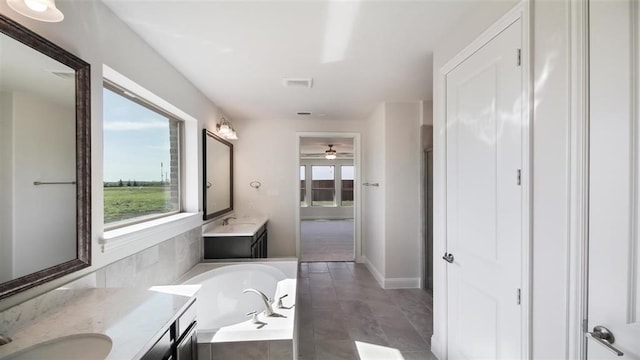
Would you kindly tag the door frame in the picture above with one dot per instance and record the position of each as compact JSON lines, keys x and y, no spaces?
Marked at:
{"x":578,"y":267}
{"x":357,"y":163}
{"x":579,"y":179}
{"x":520,"y":11}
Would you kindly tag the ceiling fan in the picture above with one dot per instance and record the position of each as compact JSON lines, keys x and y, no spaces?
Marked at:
{"x":328,"y":154}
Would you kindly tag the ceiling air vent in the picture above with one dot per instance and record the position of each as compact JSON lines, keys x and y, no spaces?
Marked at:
{"x":298,"y":82}
{"x":304,"y":113}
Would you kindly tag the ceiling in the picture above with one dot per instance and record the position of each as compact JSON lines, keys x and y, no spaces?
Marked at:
{"x":25,"y":70}
{"x":359,"y":53}
{"x":316,"y":146}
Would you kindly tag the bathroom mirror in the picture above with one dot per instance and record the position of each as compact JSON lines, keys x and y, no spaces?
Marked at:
{"x":217,"y":168}
{"x":45,"y":159}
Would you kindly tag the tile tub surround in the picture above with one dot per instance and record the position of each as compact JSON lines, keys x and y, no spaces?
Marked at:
{"x":134,"y":319}
{"x":344,"y":314}
{"x":162,"y":264}
{"x":234,"y":336}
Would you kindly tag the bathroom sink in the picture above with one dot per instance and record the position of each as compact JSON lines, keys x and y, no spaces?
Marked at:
{"x":79,"y":346}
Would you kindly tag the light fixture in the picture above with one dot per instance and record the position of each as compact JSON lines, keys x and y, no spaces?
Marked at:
{"x":43,"y":10}
{"x":330,"y":154}
{"x":225,"y":130}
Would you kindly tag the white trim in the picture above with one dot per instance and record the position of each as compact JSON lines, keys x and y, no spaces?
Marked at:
{"x":190,"y":154}
{"x":373,"y":270}
{"x":391,"y":283}
{"x":151,"y":232}
{"x":579,"y":178}
{"x":357,"y":163}
{"x":439,"y":341}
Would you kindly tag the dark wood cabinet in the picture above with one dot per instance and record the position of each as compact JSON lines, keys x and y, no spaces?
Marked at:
{"x":180,"y":342}
{"x":235,"y":247}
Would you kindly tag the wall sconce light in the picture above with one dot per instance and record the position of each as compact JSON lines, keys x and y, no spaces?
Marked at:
{"x":330,"y":154}
{"x":42,"y":10}
{"x":225,"y":130}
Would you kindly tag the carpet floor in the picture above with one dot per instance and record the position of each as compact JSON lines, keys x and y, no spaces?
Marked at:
{"x":327,"y":240}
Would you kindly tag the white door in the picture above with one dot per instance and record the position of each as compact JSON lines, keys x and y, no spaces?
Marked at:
{"x":614,"y":178}
{"x":484,"y":227}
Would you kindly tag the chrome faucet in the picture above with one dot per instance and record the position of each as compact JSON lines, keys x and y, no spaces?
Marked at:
{"x":4,"y":339}
{"x":225,"y":221}
{"x":268,"y":310}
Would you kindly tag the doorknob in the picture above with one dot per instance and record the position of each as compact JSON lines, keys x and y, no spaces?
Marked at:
{"x":604,"y":337}
{"x":448,"y":257}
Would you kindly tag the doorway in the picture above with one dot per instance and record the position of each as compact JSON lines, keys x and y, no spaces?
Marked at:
{"x":327,"y":197}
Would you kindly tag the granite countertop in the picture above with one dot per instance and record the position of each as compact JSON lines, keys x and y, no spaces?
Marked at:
{"x":241,"y":226}
{"x":134,"y":319}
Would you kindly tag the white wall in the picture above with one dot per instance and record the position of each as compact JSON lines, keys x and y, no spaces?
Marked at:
{"x":373,"y":198}
{"x":43,"y":144}
{"x":392,"y":211}
{"x":266,"y":152}
{"x":6,"y":186}
{"x":550,"y":137}
{"x":551,"y":140}
{"x":96,"y":35}
{"x":403,"y":152}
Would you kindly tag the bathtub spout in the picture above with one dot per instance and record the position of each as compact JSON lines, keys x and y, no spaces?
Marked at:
{"x":268,"y":310}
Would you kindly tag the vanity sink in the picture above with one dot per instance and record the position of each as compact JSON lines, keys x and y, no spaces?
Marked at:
{"x":85,"y":346}
{"x":242,"y":226}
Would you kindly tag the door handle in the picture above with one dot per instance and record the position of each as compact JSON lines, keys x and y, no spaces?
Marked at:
{"x":604,"y":337}
{"x":448,"y":257}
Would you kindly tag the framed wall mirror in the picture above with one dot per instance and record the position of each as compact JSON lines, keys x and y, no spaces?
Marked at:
{"x":217,"y":168}
{"x":45,"y":160}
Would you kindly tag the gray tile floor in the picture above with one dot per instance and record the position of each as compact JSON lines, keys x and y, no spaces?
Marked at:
{"x":345,"y":314}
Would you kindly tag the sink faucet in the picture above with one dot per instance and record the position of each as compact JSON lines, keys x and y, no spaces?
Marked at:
{"x":4,"y":339}
{"x":225,"y":221}
{"x":268,"y":310}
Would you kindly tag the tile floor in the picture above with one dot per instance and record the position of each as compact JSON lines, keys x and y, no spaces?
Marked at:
{"x":345,"y":314}
{"x":326,"y":240}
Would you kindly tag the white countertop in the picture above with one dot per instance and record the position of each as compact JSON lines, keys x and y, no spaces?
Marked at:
{"x":241,"y":226}
{"x":134,"y":319}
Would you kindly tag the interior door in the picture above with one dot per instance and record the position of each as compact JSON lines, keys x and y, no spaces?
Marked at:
{"x":614,"y":187}
{"x":484,"y":227}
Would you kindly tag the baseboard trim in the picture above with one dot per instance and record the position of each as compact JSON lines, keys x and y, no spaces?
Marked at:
{"x":437,"y":347}
{"x":392,"y":283}
{"x":402,"y":283}
{"x":374,"y":271}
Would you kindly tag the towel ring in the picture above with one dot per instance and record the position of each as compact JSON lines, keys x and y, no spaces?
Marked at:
{"x":255,"y":184}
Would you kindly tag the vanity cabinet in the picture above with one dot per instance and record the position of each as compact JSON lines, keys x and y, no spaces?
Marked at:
{"x":235,"y":247}
{"x":179,"y":342}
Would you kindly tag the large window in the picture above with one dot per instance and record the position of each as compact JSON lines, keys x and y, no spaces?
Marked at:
{"x":141,"y":159}
{"x":347,"y":177}
{"x":323,"y":187}
{"x":303,"y":186}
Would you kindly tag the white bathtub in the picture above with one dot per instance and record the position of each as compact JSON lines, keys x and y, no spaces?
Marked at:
{"x":222,"y":306}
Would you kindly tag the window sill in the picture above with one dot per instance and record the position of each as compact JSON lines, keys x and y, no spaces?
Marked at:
{"x":150,"y":232}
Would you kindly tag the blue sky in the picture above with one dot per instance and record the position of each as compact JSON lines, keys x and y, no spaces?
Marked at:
{"x":136,"y":140}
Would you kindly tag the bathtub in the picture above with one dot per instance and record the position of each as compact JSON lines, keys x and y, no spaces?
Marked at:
{"x":222,"y":306}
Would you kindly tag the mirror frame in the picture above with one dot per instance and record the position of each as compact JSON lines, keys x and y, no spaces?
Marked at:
{"x":83,"y":158}
{"x":205,"y":134}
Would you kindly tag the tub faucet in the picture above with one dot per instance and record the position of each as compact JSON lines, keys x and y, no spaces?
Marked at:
{"x":4,"y":339}
{"x":268,"y":310}
{"x":225,"y":221}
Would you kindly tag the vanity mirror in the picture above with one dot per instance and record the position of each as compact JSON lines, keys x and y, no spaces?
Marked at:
{"x":45,"y":159}
{"x":218,"y":175}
